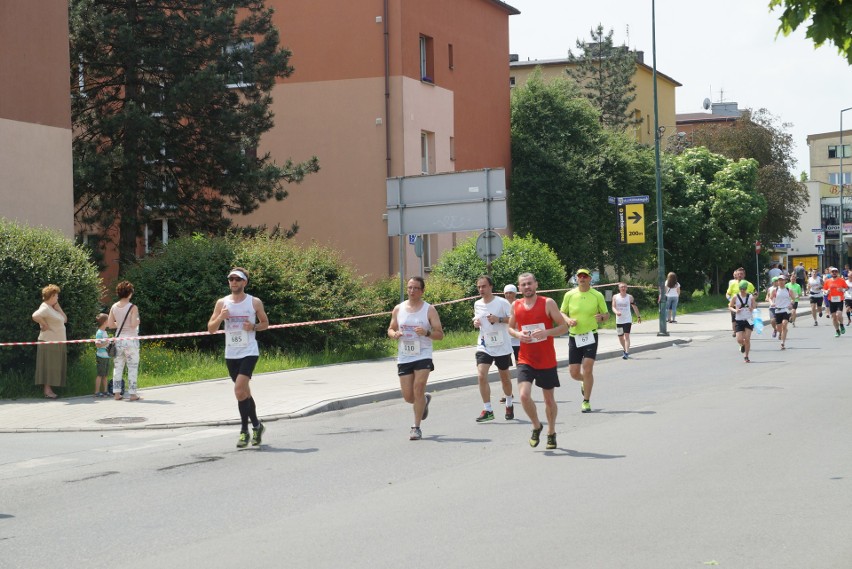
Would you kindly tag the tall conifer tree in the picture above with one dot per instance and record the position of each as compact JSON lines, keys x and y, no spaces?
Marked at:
{"x":169,"y":101}
{"x":604,"y":72}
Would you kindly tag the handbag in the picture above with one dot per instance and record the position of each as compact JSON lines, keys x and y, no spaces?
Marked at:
{"x":112,"y":350}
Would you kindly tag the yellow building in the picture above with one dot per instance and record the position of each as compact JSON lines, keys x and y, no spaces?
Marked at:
{"x":643,"y":80}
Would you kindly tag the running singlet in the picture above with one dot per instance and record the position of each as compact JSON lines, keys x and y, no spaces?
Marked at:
{"x":835,"y":287}
{"x":240,"y":342}
{"x":623,"y":305}
{"x":783,"y":300}
{"x":539,"y":354}
{"x":413,"y":347}
{"x":815,"y":287}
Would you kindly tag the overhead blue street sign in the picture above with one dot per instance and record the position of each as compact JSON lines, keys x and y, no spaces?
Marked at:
{"x":780,"y":245}
{"x":611,"y":200}
{"x":633,"y":199}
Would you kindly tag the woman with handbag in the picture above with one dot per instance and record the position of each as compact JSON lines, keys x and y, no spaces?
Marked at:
{"x":124,"y":317}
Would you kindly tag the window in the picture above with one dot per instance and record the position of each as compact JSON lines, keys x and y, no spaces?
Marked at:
{"x":834,"y":178}
{"x":239,"y":59}
{"x":450,"y":56}
{"x":511,"y":81}
{"x":427,"y":60}
{"x":834,"y":151}
{"x":427,"y":152}
{"x":156,"y":232}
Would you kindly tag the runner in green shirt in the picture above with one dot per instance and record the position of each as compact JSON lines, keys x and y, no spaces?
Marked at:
{"x":583,"y":309}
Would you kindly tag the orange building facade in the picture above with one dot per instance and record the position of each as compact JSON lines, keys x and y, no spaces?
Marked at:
{"x":36,"y":186}
{"x":384,"y":88}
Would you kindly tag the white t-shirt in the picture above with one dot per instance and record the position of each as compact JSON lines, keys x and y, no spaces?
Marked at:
{"x":493,"y":339}
{"x":673,"y":291}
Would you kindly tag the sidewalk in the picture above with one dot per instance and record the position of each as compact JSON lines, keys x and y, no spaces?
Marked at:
{"x":297,"y":393}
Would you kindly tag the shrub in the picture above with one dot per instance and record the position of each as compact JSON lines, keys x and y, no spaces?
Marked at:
{"x":31,"y":258}
{"x":520,"y":255}
{"x":304,"y":284}
{"x":454,"y":317}
{"x":177,"y":286}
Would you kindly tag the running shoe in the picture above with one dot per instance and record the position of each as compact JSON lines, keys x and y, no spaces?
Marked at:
{"x":746,"y":360}
{"x":426,"y":409}
{"x":551,"y":442}
{"x":510,"y":412}
{"x":816,"y":323}
{"x":842,"y":329}
{"x":243,"y":440}
{"x":535,"y":436}
{"x":625,"y":356}
{"x":416,"y":434}
{"x":257,"y":434}
{"x":836,"y":334}
{"x":503,"y":399}
{"x":586,"y":407}
{"x":774,"y":333}
{"x":742,"y":348}
{"x":485,"y":416}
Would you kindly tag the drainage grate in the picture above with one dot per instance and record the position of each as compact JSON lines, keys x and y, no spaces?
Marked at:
{"x":121,"y":420}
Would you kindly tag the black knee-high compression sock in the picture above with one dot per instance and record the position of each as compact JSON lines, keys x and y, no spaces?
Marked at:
{"x":252,"y":412}
{"x":244,"y":413}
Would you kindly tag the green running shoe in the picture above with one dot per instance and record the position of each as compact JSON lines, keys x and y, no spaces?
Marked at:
{"x":485,"y":416}
{"x":244,"y":440}
{"x":836,"y":334}
{"x":256,"y":434}
{"x":586,"y":407}
{"x":535,"y":436}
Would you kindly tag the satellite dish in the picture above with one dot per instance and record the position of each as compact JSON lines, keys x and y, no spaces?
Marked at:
{"x":706,"y":104}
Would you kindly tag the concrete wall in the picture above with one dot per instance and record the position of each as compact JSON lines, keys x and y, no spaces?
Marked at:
{"x":36,"y":185}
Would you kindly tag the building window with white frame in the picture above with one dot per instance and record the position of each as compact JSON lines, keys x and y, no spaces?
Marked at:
{"x":834,"y":177}
{"x":427,"y":152}
{"x":427,"y":60}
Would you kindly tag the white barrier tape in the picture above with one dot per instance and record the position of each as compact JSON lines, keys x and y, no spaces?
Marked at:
{"x":272,"y":327}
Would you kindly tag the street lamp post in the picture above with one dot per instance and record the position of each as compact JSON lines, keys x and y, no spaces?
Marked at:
{"x":842,"y":247}
{"x":661,"y":262}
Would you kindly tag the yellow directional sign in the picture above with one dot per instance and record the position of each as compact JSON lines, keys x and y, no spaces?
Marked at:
{"x":634,"y":223}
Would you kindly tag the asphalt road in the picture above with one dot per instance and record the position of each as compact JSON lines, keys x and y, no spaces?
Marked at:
{"x":691,"y":459}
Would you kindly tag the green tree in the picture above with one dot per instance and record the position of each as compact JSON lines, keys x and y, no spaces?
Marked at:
{"x":712,"y":214}
{"x":521,"y":254}
{"x":758,"y":135}
{"x":604,"y":72}
{"x":831,"y":21}
{"x":169,"y":101}
{"x":565,"y":165}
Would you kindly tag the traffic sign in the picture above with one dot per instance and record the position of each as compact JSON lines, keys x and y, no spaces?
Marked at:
{"x":757,"y":246}
{"x":489,"y":245}
{"x":631,"y":223}
{"x":632,"y":200}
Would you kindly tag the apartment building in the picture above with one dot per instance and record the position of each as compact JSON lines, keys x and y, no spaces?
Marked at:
{"x":643,"y":80}
{"x":384,"y":88}
{"x":36,"y":176}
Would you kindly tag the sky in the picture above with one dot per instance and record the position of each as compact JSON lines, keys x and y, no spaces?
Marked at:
{"x":715,"y":48}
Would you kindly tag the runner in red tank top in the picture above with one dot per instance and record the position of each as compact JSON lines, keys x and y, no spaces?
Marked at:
{"x":535,"y":321}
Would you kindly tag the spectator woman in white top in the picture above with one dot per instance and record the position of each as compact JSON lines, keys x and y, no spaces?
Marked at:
{"x":670,"y":295}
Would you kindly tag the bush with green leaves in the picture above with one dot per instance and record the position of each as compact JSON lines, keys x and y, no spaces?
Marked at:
{"x":30,"y":259}
{"x":520,"y":255}
{"x":455,"y":316}
{"x":177,"y":288}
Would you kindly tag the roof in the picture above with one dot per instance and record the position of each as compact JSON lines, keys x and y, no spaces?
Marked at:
{"x":694,"y":118}
{"x":565,"y":61}
{"x":512,"y":11}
